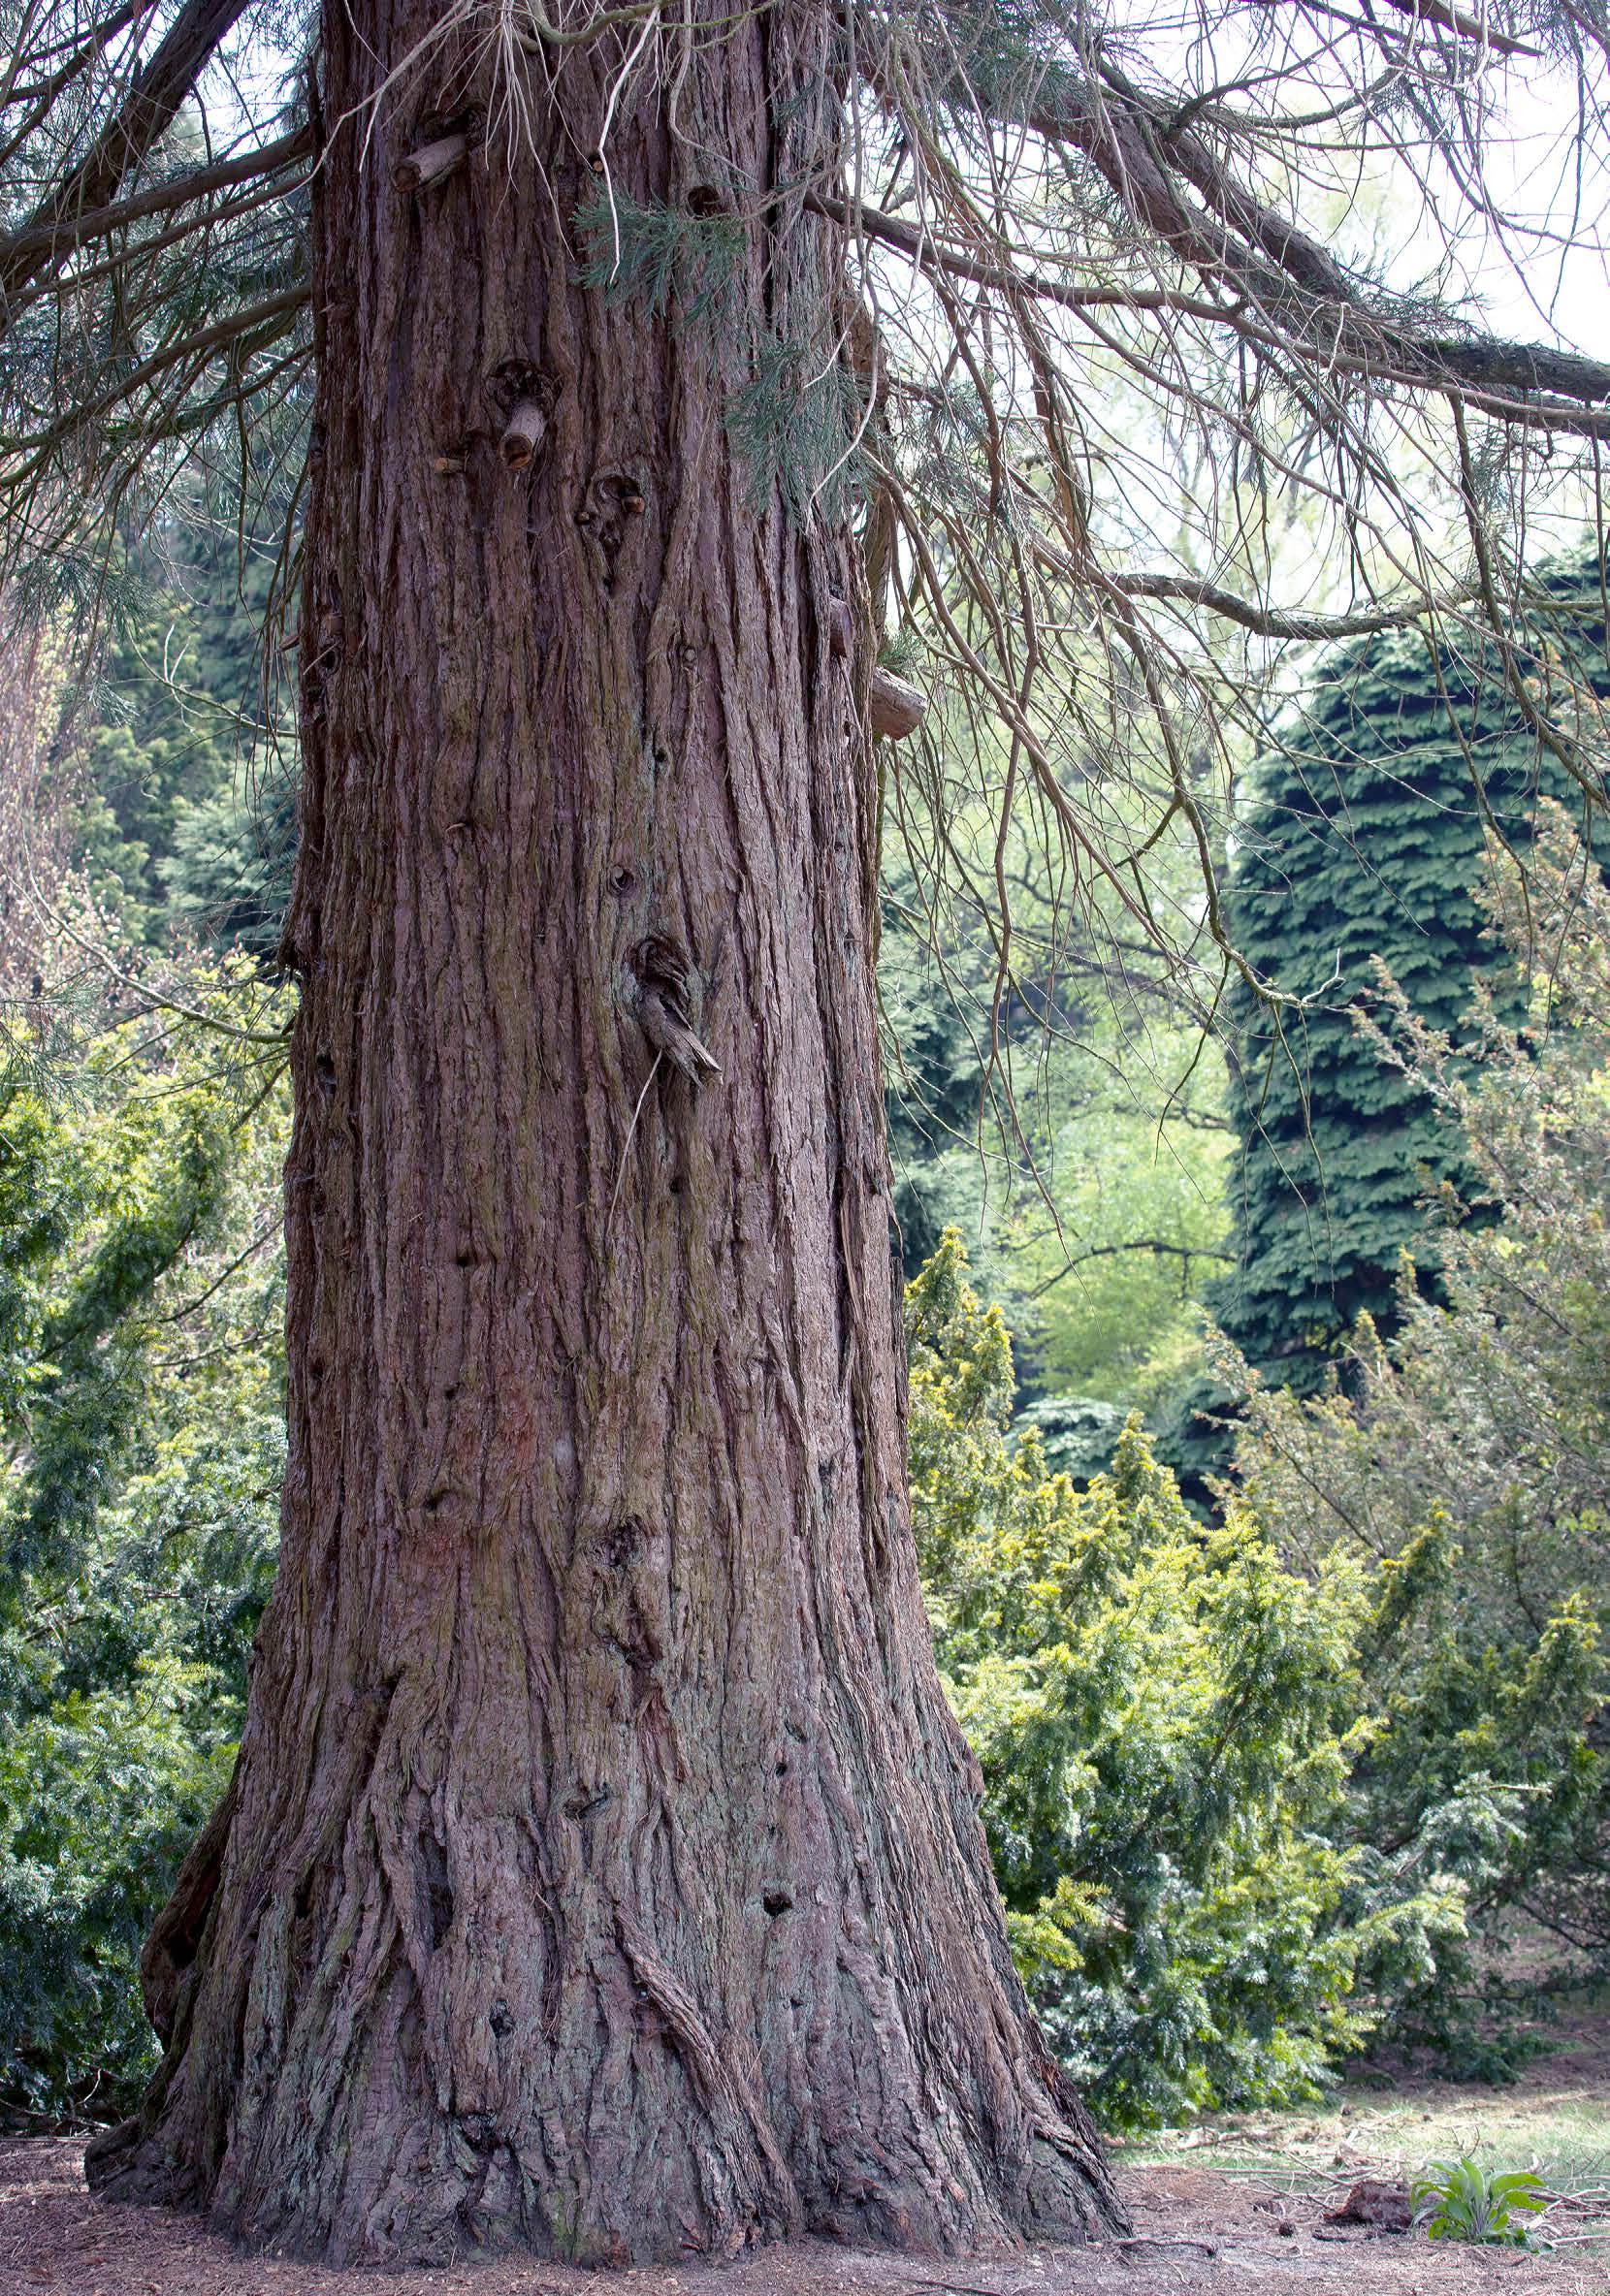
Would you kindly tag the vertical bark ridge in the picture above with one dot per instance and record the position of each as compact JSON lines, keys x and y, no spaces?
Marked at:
{"x":604,"y":1872}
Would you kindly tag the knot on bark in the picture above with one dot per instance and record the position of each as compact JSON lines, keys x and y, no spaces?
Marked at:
{"x":614,"y":499}
{"x":665,"y":981}
{"x":524,"y":395}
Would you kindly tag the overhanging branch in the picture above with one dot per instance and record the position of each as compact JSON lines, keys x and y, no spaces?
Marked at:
{"x":1293,"y":287}
{"x":57,"y":240}
{"x":1267,"y":622}
{"x":1557,"y":389}
{"x":140,"y":121}
{"x":247,"y":332}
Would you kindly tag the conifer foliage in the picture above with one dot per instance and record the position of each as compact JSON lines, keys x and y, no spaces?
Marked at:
{"x":1362,"y":853}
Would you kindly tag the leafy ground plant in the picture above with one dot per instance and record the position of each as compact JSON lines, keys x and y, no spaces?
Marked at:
{"x":1460,"y":2200}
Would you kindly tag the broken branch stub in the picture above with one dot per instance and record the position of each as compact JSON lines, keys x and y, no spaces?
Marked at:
{"x":431,"y":163}
{"x":898,"y":706}
{"x":523,"y":433}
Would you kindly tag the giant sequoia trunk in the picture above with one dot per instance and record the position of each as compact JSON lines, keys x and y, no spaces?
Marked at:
{"x":603,"y":1868}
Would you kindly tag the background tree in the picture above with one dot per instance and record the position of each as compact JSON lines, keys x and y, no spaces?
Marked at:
{"x":182,"y":782}
{"x":1085,"y":1171}
{"x":595,"y":1692}
{"x":1472,"y":1458}
{"x":1364,"y":846}
{"x":142,"y":1441}
{"x":1165,"y":1716}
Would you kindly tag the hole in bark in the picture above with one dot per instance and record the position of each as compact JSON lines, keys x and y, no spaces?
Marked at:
{"x":324,"y":1071}
{"x":622,"y":881}
{"x":781,"y":1769}
{"x":512,"y":380}
{"x":438,"y":1891}
{"x":776,"y":1901}
{"x":584,"y":1806}
{"x":466,"y":1255}
{"x":501,"y":2021}
{"x":618,"y":1545}
{"x":705,"y":200}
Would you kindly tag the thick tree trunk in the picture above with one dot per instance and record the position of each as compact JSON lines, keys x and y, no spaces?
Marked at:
{"x":603,"y":1868}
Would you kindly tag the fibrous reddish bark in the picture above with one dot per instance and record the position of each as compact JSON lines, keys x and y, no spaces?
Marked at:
{"x":603,"y":1868}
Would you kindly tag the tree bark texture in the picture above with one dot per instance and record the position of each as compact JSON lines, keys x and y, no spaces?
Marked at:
{"x":603,"y":1869}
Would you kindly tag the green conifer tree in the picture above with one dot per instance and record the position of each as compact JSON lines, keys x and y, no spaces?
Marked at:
{"x":1363,"y":848}
{"x":186,"y":797}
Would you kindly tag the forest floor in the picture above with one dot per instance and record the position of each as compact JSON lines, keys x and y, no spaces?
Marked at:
{"x":1207,"y":2205}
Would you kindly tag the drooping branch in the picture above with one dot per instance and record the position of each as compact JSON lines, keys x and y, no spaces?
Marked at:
{"x":40,"y":98}
{"x":1154,"y":1245}
{"x":1558,"y":389}
{"x":1237,"y":241}
{"x":247,"y":330}
{"x":1466,"y":28}
{"x":140,"y":121}
{"x":56,"y":238}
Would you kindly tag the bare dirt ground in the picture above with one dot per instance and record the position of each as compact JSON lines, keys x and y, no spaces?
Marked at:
{"x":1207,"y":2205}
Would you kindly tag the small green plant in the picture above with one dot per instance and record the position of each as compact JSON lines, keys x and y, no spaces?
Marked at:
{"x":1460,"y":2200}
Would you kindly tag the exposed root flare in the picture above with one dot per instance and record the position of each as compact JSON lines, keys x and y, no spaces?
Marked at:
{"x":170,"y":1951}
{"x":736,"y":2115}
